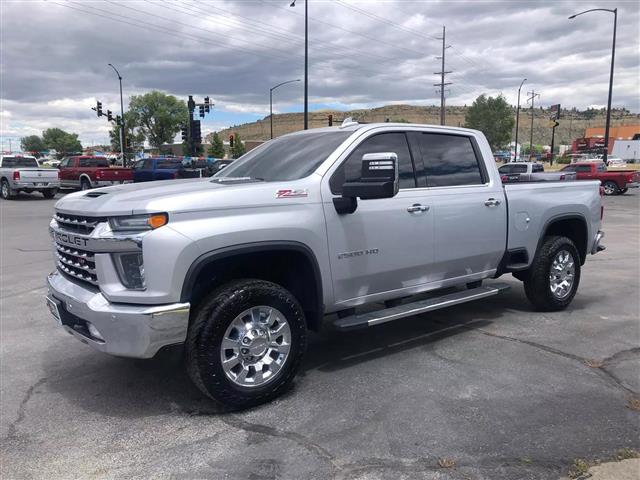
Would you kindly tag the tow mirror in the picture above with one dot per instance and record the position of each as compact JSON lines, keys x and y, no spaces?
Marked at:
{"x":378,"y":179}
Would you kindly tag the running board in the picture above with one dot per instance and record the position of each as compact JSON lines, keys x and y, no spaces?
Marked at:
{"x":377,"y":317}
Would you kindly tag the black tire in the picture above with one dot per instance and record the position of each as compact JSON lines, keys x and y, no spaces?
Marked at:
{"x":5,"y":190}
{"x":623,"y":191}
{"x":50,"y":193}
{"x":610,"y":188}
{"x":209,"y":324}
{"x":85,"y":184}
{"x":537,"y":282}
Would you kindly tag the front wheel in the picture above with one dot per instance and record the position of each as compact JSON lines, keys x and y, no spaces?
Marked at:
{"x":623,"y":191}
{"x":50,"y":193}
{"x":246,"y":342}
{"x":553,"y":277}
{"x":610,"y":188}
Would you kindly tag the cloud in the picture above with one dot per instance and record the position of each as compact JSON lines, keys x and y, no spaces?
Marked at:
{"x":362,"y":54}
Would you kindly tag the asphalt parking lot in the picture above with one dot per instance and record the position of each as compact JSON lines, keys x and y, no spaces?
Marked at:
{"x":487,"y":390}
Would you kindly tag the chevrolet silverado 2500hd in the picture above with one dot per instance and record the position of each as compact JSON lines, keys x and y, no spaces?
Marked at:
{"x":237,"y":267}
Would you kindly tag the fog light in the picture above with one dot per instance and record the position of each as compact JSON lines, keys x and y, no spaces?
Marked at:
{"x":130,"y":270}
{"x":94,"y":332}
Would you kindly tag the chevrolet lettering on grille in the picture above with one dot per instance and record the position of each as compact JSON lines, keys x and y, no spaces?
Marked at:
{"x":69,"y":239}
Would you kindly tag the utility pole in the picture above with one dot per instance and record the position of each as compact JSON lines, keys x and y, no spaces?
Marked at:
{"x":532,"y":100}
{"x":515,"y":155}
{"x":122,"y":128}
{"x":442,"y":73}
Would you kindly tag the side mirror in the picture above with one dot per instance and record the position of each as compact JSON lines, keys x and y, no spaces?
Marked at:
{"x":379,"y":179}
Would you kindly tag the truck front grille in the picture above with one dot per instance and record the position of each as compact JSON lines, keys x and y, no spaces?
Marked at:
{"x":76,"y":263}
{"x":77,"y":223}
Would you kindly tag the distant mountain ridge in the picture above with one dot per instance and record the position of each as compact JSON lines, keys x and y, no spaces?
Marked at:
{"x":572,"y":122}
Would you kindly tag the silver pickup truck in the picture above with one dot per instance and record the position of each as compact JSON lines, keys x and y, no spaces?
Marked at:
{"x":349,"y":225}
{"x":530,"y":172}
{"x":21,"y":173}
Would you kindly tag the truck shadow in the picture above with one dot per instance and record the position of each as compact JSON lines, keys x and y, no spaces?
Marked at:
{"x":137,"y":388}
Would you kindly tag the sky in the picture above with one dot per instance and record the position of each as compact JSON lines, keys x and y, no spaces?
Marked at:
{"x":54,"y":56}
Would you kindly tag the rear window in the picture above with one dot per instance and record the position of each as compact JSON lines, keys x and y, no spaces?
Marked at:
{"x":519,"y":169}
{"x":537,"y":168}
{"x":12,"y":162}
{"x":99,"y":162}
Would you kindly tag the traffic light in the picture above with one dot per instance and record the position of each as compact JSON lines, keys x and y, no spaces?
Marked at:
{"x":184,"y":133}
{"x":127,"y":142}
{"x":330,"y":120}
{"x":109,"y":116}
{"x":201,"y":108}
{"x":207,"y":104}
{"x":99,"y":108}
{"x":118,"y":120}
{"x":231,"y":140}
{"x":191,"y":104}
{"x":196,"y":135}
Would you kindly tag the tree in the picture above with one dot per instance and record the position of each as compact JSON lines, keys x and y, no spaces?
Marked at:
{"x":62,"y":142}
{"x":216,"y":150}
{"x":158,"y":116}
{"x":134,"y":134}
{"x":238,"y":147}
{"x":493,"y":117}
{"x":32,"y":143}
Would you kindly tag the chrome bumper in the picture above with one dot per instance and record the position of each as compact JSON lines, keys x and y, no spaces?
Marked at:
{"x":127,"y":330}
{"x":632,"y":185}
{"x":596,"y":247}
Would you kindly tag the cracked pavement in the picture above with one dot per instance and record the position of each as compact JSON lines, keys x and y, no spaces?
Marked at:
{"x":498,"y":390}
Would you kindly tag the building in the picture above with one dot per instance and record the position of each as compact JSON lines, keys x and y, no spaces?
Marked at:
{"x":593,"y":140}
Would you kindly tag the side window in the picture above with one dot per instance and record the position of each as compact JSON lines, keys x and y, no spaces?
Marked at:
{"x":138,"y":165}
{"x":148,"y":164}
{"x":537,"y":168}
{"x":569,"y":168}
{"x":351,"y":169}
{"x":519,"y":169}
{"x":449,"y":160}
{"x":583,"y":168}
{"x":601,"y":168}
{"x":84,"y":162}
{"x":506,"y":169}
{"x":64,"y":163}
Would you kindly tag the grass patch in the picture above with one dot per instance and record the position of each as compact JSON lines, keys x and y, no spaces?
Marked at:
{"x":625,"y":454}
{"x":634,"y":404}
{"x":578,"y":468}
{"x":446,"y":463}
{"x":593,"y":363}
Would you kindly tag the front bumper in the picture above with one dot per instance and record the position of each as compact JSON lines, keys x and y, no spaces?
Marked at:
{"x":597,"y":247}
{"x":127,"y":330}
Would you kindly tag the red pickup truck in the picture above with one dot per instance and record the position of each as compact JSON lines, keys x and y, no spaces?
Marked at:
{"x":614,"y":182}
{"x":87,"y":172}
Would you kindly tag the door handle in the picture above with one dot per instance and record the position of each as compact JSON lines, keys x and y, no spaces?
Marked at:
{"x":492,"y":202}
{"x":416,"y":207}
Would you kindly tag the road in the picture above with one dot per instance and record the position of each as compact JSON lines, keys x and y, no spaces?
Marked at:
{"x":487,"y":390}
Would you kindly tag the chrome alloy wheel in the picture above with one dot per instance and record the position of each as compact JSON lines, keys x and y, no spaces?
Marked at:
{"x":562,"y":274}
{"x":5,"y":190}
{"x":255,"y":346}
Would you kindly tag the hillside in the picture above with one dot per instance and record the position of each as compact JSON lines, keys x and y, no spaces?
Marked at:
{"x":572,"y":123}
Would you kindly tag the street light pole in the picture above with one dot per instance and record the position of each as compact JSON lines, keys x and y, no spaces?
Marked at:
{"x":306,"y":61}
{"x":271,"y":101}
{"x":122,"y":135}
{"x":515,"y":155}
{"x":613,"y":56}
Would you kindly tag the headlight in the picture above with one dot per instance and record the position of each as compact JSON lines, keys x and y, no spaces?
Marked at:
{"x":137,"y":223}
{"x":130,"y":270}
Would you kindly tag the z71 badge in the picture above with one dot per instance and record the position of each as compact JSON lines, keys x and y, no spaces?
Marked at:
{"x":290,"y":193}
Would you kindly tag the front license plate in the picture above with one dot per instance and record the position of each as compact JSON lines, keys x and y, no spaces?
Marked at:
{"x":52,"y":304}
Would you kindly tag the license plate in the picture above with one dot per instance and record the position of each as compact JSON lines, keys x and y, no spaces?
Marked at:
{"x":53,"y":308}
{"x":40,"y":184}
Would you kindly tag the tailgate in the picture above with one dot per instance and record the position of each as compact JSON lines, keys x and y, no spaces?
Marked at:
{"x":38,"y":175}
{"x":115,"y":174}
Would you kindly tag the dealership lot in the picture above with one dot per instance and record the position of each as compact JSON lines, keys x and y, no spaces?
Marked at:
{"x":483,"y":390}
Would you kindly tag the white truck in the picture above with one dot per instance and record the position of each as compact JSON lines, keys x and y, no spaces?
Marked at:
{"x":22,"y":173}
{"x":350,"y":225}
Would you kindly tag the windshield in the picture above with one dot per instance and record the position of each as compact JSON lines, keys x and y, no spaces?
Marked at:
{"x":286,"y":158}
{"x":19,"y":162}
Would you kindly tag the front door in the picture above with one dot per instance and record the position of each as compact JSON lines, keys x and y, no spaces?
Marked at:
{"x":469,"y":209}
{"x":384,"y":249}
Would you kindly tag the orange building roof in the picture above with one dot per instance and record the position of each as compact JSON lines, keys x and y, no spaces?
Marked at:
{"x":622,"y":132}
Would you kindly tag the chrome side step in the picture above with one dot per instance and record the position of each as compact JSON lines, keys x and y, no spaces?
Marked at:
{"x":377,"y":317}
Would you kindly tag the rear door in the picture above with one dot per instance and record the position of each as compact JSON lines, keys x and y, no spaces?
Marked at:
{"x":383,"y":249}
{"x":468,"y":207}
{"x":69,"y":173}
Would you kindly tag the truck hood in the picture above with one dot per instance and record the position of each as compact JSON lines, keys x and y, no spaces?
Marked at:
{"x":176,"y":196}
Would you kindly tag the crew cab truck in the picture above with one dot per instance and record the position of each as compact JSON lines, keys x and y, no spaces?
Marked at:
{"x":614,"y":182}
{"x":238,"y":267}
{"x":530,"y":171}
{"x":86,"y":172}
{"x":22,"y":173}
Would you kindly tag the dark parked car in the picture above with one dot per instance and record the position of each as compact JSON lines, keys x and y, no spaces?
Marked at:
{"x":150,"y":169}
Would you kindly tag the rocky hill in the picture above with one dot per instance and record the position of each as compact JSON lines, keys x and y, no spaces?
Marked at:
{"x":572,"y":122}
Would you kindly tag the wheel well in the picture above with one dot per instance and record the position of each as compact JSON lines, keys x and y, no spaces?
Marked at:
{"x":294,"y":269}
{"x":574,"y":228}
{"x":84,"y":176}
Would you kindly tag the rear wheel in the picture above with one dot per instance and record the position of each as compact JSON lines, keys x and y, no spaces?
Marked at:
{"x":6,"y":191}
{"x":50,"y":193}
{"x":85,"y":184}
{"x":623,"y":191}
{"x":552,"y":280}
{"x":610,"y":188}
{"x":246,"y":343}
